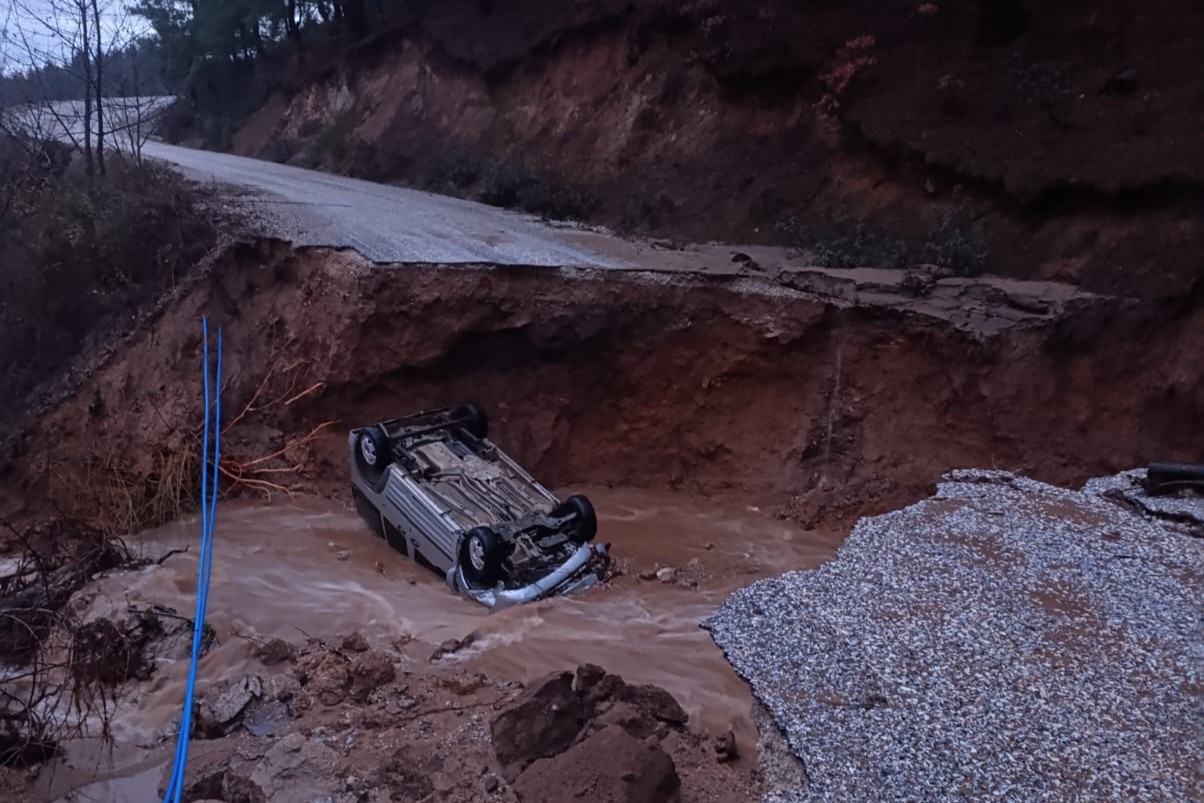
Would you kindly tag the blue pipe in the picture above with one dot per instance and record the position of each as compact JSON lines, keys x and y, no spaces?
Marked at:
{"x":175,"y":788}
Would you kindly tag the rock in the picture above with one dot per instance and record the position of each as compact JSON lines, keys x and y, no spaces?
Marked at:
{"x":544,"y":721}
{"x":342,"y":554}
{"x":355,"y":642}
{"x":648,"y":574}
{"x":725,"y":747}
{"x":268,"y":719}
{"x":708,"y":546}
{"x":635,"y":722}
{"x":589,"y":676}
{"x":297,"y":770}
{"x":275,"y":651}
{"x":491,"y":784}
{"x":280,"y":687}
{"x":370,"y":671}
{"x":326,"y":676}
{"x":666,"y":575}
{"x":231,"y":701}
{"x":452,"y":646}
{"x":655,"y":702}
{"x":694,"y":563}
{"x":740,"y":256}
{"x":609,"y":767}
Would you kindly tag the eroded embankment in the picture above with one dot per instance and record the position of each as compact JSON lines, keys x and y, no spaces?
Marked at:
{"x":592,"y":377}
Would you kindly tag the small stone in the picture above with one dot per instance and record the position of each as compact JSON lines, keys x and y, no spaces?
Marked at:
{"x":725,"y":747}
{"x":589,"y":676}
{"x":342,"y":554}
{"x":708,"y":546}
{"x":231,"y":702}
{"x":370,"y":671}
{"x":648,"y":574}
{"x":275,"y":651}
{"x":355,"y":642}
{"x":693,"y":563}
{"x":491,"y":784}
{"x":280,"y":687}
{"x":666,"y":575}
{"x":453,"y":645}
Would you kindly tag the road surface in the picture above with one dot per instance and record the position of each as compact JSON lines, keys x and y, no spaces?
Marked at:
{"x":391,"y":224}
{"x":384,"y":223}
{"x":394,"y":225}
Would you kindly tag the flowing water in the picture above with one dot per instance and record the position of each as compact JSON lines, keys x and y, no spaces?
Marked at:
{"x":313,"y":569}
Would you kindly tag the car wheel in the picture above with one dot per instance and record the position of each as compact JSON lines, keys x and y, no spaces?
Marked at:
{"x":586,"y":525}
{"x":474,"y":419}
{"x":481,"y":557}
{"x":372,"y":451}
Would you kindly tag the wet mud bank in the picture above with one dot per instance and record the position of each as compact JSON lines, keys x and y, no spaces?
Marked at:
{"x":777,"y":395}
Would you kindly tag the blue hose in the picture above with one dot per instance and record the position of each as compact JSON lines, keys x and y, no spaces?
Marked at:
{"x":175,"y":788}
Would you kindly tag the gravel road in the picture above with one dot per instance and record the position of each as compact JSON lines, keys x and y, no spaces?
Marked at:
{"x":1003,"y":640}
{"x":390,"y":224}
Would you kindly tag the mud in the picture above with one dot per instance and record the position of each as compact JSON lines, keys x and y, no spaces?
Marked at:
{"x":311,"y":571}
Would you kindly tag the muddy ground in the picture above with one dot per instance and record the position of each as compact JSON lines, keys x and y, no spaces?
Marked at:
{"x":454,"y":667}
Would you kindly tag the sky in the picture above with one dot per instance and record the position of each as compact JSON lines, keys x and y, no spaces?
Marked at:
{"x":20,"y":23}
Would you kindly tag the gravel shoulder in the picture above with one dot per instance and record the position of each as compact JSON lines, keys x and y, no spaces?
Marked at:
{"x":1004,"y":639}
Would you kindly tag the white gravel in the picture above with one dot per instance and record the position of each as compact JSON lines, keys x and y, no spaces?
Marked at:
{"x":1003,"y":640}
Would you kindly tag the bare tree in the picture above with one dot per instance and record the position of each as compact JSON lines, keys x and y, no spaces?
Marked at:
{"x":98,"y":85}
{"x":82,"y":37}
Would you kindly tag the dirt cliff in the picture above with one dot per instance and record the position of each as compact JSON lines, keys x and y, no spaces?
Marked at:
{"x":733,"y":384}
{"x":1055,"y":142}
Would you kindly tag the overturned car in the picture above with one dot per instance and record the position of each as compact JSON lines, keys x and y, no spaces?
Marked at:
{"x":438,"y":490}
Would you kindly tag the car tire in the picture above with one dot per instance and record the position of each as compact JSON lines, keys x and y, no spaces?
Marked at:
{"x":481,"y":557}
{"x":475,"y":421}
{"x":372,"y":453}
{"x":586,"y":526}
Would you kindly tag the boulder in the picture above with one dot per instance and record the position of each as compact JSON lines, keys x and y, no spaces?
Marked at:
{"x":543,"y":721}
{"x":609,"y":767}
{"x":297,"y":770}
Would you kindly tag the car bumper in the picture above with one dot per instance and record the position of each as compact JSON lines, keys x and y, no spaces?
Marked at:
{"x":581,"y":571}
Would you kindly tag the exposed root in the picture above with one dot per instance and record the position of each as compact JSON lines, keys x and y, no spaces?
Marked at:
{"x":251,"y":473}
{"x":48,"y":694}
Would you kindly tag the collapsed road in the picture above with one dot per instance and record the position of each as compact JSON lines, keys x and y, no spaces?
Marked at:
{"x":821,"y":395}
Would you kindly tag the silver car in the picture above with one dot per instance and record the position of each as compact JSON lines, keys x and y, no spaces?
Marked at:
{"x":438,"y":490}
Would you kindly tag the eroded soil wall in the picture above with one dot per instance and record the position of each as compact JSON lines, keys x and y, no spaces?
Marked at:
{"x":1062,"y":144}
{"x":627,"y":379}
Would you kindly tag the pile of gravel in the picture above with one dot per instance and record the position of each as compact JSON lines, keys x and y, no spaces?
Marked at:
{"x":1003,"y":640}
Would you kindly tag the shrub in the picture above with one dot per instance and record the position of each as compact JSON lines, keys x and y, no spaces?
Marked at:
{"x":282,"y":149}
{"x":860,"y":245}
{"x":958,"y":244}
{"x":335,"y":138}
{"x":80,"y":255}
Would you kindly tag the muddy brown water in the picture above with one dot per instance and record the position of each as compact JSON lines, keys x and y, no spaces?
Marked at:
{"x":312,"y":568}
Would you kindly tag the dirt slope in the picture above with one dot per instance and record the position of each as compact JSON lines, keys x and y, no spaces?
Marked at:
{"x":631,"y":379}
{"x":1058,"y":143}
